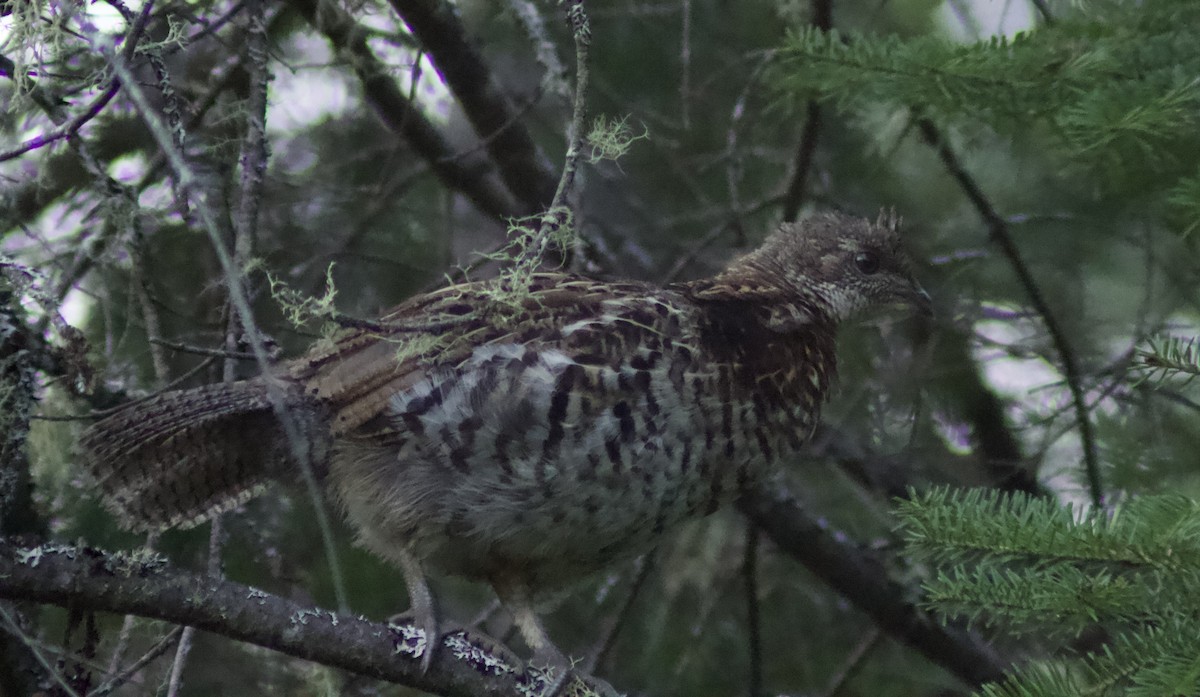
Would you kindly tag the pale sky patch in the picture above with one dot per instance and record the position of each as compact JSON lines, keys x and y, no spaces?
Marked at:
{"x":972,"y":20}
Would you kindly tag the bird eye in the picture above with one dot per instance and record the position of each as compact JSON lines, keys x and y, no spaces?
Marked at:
{"x":867,"y":262}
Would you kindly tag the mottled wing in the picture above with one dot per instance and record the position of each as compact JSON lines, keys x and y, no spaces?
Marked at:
{"x":360,"y":370}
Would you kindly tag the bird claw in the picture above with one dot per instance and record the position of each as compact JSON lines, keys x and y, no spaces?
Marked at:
{"x":428,"y":625}
{"x":560,"y":679}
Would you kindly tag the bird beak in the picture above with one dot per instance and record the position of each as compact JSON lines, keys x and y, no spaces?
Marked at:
{"x":920,"y":300}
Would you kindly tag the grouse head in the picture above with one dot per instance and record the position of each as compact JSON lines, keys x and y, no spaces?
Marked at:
{"x":833,"y":264}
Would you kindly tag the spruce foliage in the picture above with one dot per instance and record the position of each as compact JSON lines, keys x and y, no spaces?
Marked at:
{"x":1034,"y":567}
{"x":1113,"y":83}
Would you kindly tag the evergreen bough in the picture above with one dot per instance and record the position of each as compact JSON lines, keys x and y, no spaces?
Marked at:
{"x":1115,"y":83}
{"x":1041,"y":569}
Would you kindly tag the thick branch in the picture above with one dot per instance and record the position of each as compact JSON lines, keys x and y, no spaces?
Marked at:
{"x":17,"y":400}
{"x":470,"y":174}
{"x":863,"y":581}
{"x":466,"y":664}
{"x":18,"y":666}
{"x":523,"y":166}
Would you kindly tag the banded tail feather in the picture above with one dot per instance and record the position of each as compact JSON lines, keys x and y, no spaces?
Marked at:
{"x":178,"y":458}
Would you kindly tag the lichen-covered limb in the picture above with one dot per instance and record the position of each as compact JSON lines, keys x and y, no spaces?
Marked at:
{"x":467,"y":663}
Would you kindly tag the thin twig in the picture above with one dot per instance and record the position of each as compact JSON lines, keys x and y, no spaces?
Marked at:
{"x":797,"y":189}
{"x":189,"y":183}
{"x":852,"y":663}
{"x":175,"y":682}
{"x":753,"y":619}
{"x":71,"y":128}
{"x":187,"y":637}
{"x":13,"y":628}
{"x":554,"y":78}
{"x":200,"y":350}
{"x":998,"y":230}
{"x":253,"y":158}
{"x":685,"y":64}
{"x":581,"y":31}
{"x":118,"y":653}
{"x":141,"y":287}
{"x":90,"y":579}
{"x":253,"y":162}
{"x":126,"y":673}
{"x":608,"y":637}
{"x":693,"y":251}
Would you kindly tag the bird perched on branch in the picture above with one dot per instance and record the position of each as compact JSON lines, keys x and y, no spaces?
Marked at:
{"x":525,"y":434}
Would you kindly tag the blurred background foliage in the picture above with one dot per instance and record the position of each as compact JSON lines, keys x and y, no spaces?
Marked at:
{"x":1074,"y":122}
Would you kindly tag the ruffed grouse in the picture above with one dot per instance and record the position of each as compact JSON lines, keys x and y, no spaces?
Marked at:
{"x":526,"y":436}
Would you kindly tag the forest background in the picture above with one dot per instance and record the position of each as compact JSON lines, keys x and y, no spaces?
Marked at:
{"x":1003,"y":499}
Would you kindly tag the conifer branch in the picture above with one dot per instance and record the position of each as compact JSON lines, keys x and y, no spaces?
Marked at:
{"x":998,"y":231}
{"x":1170,"y":356}
{"x":1035,"y":566}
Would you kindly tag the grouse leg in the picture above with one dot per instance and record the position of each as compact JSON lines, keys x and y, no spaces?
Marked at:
{"x":421,"y":607}
{"x":515,"y":597}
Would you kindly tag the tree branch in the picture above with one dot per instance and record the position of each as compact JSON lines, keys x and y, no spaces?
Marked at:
{"x":470,"y":174}
{"x":523,"y":167}
{"x":468,"y":664}
{"x":18,"y":380}
{"x":556,"y":213}
{"x":863,"y":581}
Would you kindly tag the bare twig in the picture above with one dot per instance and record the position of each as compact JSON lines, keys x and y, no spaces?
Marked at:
{"x":554,"y":217}
{"x":797,"y":189}
{"x":200,"y":350}
{"x":68,"y":129}
{"x":608,"y":636}
{"x":11,"y":627}
{"x":187,"y":636}
{"x":685,"y":64}
{"x":853,"y":661}
{"x":554,"y":78}
{"x":175,"y":682}
{"x":253,"y":158}
{"x":141,"y":288}
{"x":753,"y":618}
{"x":189,"y":184}
{"x":164,"y":644}
{"x":793,"y":200}
{"x":693,"y":251}
{"x":93,"y":109}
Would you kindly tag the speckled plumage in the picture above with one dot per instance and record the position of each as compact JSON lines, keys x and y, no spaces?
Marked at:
{"x":528,"y":436}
